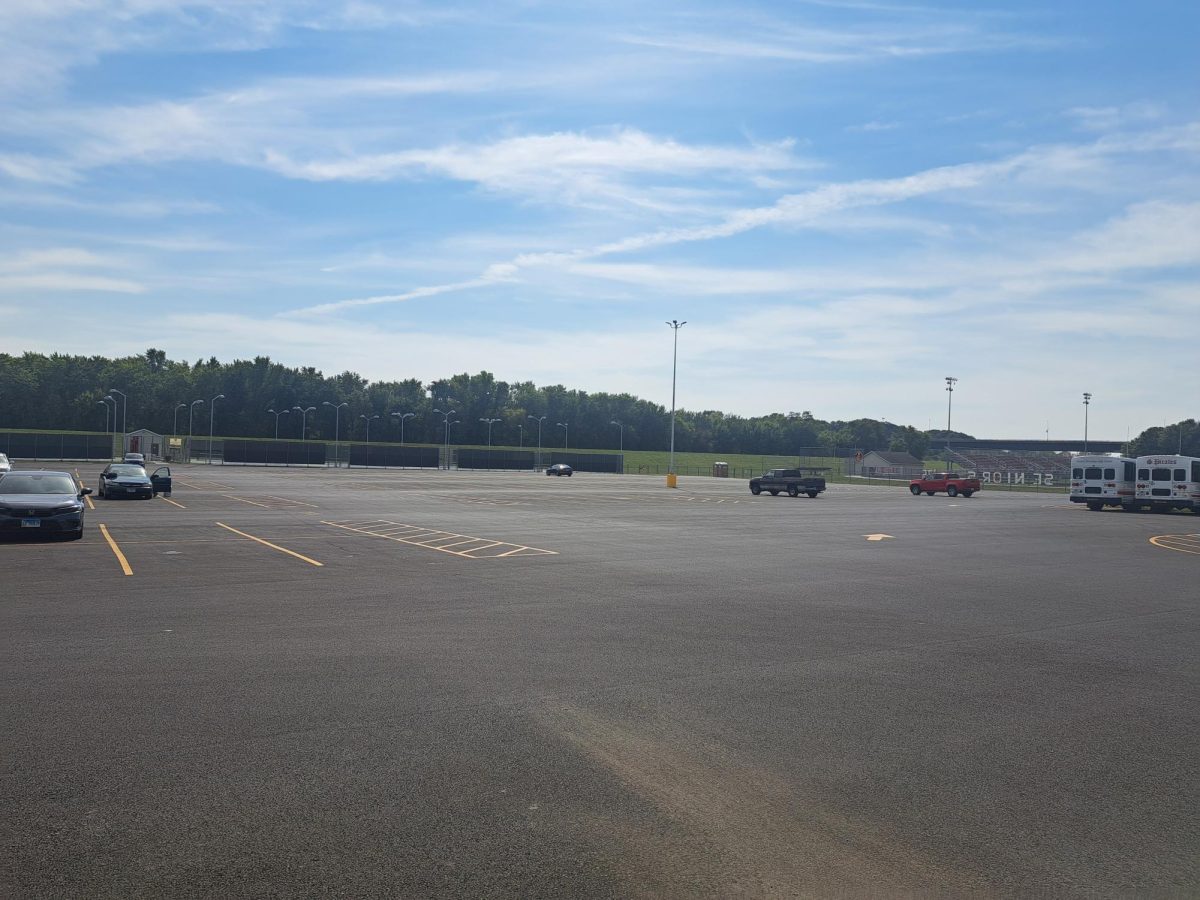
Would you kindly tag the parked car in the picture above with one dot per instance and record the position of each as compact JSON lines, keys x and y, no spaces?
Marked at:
{"x":134,"y":459}
{"x":950,"y":482}
{"x":5,"y":465}
{"x":127,"y":480}
{"x":41,"y":502}
{"x":560,"y":469}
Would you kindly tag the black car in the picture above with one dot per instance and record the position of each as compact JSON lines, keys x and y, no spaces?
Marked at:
{"x":559,"y":469}
{"x":126,"y":480}
{"x":40,"y":502}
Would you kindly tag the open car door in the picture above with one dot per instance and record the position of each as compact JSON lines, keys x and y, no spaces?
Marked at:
{"x":161,"y":480}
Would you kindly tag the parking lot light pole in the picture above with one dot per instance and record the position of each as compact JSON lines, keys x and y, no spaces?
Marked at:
{"x":212,"y":415}
{"x":539,"y":420}
{"x":368,"y":419}
{"x":490,"y":423}
{"x":175,"y":424}
{"x":105,"y":405}
{"x":191,"y":414}
{"x":674,"y":325}
{"x":1087,"y":399}
{"x":402,"y":416}
{"x":950,"y":383}
{"x":304,"y":411}
{"x":622,"y":427}
{"x":566,"y":427}
{"x":337,"y":428}
{"x":446,"y":420}
{"x":282,"y":412}
{"x":124,"y":410}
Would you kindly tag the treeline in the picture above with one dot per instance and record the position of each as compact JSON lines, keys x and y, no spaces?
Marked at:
{"x":67,"y":392}
{"x":1182,"y":437}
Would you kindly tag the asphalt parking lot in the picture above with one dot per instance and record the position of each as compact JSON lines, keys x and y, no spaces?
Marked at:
{"x":290,"y":682}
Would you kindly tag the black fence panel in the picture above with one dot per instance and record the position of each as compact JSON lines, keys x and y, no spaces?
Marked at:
{"x":590,"y":462}
{"x":275,"y":453}
{"x":52,"y":445}
{"x":475,"y":458}
{"x":385,"y":456}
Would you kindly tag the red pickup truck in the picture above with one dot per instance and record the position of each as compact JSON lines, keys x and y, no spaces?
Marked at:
{"x":950,"y":482}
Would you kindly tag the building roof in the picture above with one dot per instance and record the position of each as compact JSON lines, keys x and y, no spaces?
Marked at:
{"x":897,"y":458}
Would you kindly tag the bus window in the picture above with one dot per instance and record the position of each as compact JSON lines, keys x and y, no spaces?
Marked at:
{"x":1129,"y":467}
{"x":1091,"y":473}
{"x":1077,"y":473}
{"x":1196,"y":471}
{"x":1143,"y":474}
{"x":1160,"y":474}
{"x":1180,"y":474}
{"x":1110,"y":474}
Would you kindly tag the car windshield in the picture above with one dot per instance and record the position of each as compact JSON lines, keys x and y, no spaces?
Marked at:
{"x":128,"y":470}
{"x":35,"y":483}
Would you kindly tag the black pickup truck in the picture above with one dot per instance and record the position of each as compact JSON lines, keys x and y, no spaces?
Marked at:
{"x":794,"y":481}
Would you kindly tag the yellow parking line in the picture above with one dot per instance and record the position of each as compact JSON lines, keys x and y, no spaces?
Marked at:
{"x":172,"y":502}
{"x":116,"y":550}
{"x":311,"y":562}
{"x":87,"y":500}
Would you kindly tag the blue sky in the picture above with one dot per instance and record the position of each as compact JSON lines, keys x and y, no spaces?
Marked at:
{"x":847,"y":201}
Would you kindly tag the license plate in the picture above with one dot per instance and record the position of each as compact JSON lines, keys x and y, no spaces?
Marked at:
{"x":132,"y":490}
{"x":31,"y":523}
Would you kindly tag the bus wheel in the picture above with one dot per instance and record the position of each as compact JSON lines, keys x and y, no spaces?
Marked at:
{"x":1095,"y":506}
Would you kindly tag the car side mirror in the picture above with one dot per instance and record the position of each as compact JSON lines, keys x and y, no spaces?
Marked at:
{"x":85,"y":492}
{"x":110,"y":475}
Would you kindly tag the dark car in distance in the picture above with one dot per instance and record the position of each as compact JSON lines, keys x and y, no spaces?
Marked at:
{"x":41,"y":502}
{"x":128,"y":480}
{"x":560,"y":469}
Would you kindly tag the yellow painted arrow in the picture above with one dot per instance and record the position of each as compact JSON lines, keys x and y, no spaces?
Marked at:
{"x":878,"y":537}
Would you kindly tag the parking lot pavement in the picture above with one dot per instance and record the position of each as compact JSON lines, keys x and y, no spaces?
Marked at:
{"x":464,"y":684}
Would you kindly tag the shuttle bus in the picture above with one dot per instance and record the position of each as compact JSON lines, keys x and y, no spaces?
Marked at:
{"x":1166,"y":482}
{"x":1101,"y":481}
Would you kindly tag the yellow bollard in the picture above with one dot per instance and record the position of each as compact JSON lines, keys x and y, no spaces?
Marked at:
{"x":671,"y":480}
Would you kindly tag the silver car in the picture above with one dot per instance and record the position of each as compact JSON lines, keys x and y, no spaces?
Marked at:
{"x":40,"y":502}
{"x":5,"y":465}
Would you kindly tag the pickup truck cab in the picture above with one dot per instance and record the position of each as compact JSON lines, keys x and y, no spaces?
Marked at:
{"x":950,"y":483}
{"x":794,"y":481}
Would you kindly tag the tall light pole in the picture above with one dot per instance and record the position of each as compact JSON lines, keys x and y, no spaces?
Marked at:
{"x":105,"y":405}
{"x":402,"y":416}
{"x":1087,"y":400}
{"x":675,"y":325}
{"x":191,"y":413}
{"x":282,"y":412}
{"x":539,"y":420}
{"x":521,"y":436}
{"x":304,"y":411}
{"x":490,"y":423}
{"x":337,"y":429}
{"x":212,"y":415}
{"x":124,"y":410}
{"x":368,"y":419}
{"x":622,"y":427}
{"x":446,"y":420}
{"x":175,"y":424}
{"x":950,"y":383}
{"x":566,"y":427}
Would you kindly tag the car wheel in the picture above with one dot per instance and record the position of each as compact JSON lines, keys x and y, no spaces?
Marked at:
{"x":967,"y":493}
{"x":812,"y":495}
{"x":916,"y":491}
{"x":569,"y":474}
{"x":793,"y":491}
{"x":755,"y":490}
{"x":952,"y":491}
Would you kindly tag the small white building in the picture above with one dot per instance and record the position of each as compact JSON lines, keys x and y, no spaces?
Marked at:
{"x":888,"y":464}
{"x":148,"y":443}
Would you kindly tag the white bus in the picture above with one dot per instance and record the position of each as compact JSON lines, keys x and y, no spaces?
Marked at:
{"x":1166,"y":481}
{"x":1101,"y":481}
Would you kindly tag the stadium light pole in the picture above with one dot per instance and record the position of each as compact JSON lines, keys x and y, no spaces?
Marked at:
{"x":212,"y":415}
{"x":191,"y":415}
{"x":446,"y":421}
{"x":622,"y":427}
{"x":674,"y":326}
{"x":566,"y":427}
{"x":1087,"y":400}
{"x":521,"y":435}
{"x":124,"y":410}
{"x":337,"y":428}
{"x":950,"y":382}
{"x":402,"y":416}
{"x":282,"y":412}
